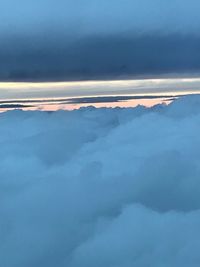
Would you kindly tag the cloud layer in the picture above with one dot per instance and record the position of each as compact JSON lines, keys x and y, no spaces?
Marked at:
{"x":101,"y":187}
{"x":85,"y":17}
{"x":80,"y":40}
{"x":99,"y":57}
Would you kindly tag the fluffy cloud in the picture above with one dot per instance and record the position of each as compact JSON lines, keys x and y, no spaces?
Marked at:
{"x":101,"y":187}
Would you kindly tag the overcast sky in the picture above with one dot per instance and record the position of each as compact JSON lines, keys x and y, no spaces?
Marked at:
{"x":98,"y":39}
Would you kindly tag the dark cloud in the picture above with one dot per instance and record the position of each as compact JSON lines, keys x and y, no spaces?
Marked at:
{"x":109,"y":99}
{"x":92,"y":39}
{"x":98,"y":57}
{"x":14,"y":106}
{"x":21,"y":104}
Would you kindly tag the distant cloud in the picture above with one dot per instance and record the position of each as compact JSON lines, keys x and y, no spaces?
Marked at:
{"x":100,"y":57}
{"x":91,"y":17}
{"x":13,"y":106}
{"x":80,"y":40}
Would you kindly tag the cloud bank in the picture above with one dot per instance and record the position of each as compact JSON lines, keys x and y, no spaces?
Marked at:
{"x":81,"y":40}
{"x":101,"y":187}
{"x":99,"y":57}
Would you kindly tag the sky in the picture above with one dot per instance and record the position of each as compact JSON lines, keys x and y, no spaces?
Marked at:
{"x":51,"y":90}
{"x":47,"y":40}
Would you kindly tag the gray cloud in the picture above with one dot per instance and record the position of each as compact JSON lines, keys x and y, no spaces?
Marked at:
{"x":80,"y":40}
{"x":102,"y":57}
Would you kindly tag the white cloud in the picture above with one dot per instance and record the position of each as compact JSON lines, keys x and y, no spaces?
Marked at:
{"x":101,"y":187}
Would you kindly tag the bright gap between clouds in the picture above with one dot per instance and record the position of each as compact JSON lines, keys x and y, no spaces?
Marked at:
{"x":30,"y":90}
{"x":53,"y":96}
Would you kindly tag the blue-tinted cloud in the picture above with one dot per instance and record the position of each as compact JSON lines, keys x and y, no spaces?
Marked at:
{"x":93,"y":16}
{"x":101,"y":187}
{"x":75,"y":40}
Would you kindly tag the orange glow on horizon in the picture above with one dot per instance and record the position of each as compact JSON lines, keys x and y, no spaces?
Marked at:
{"x":121,"y":104}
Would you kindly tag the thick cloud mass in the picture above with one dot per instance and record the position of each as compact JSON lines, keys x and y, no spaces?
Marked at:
{"x":99,"y":57}
{"x":93,"y":39}
{"x":101,"y":187}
